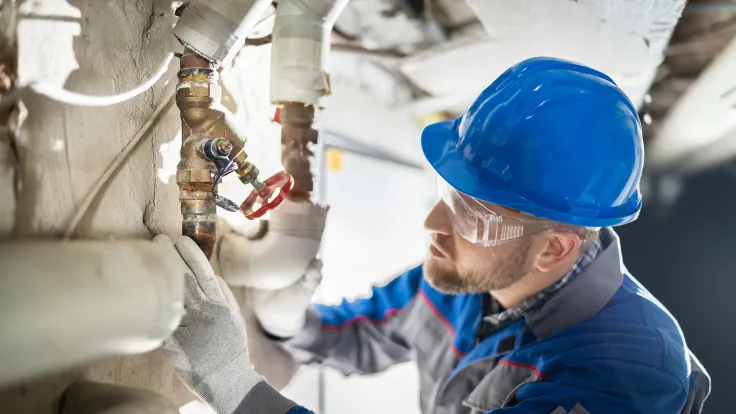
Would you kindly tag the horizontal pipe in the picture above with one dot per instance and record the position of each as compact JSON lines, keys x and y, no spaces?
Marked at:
{"x":67,"y":304}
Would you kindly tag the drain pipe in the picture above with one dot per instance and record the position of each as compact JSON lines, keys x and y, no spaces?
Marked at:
{"x":299,"y":80}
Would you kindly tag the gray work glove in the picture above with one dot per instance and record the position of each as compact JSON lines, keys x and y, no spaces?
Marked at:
{"x":209,"y":350}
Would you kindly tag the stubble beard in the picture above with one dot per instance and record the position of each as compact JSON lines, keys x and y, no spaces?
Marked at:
{"x":448,"y":278}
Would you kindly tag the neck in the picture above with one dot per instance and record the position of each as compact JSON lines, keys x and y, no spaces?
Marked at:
{"x":529,"y":285}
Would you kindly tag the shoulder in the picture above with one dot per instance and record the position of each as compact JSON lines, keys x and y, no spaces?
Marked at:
{"x":635,"y":315}
{"x":633,"y":350}
{"x":630,"y":357}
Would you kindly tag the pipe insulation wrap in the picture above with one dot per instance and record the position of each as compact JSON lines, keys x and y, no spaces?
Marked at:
{"x":280,"y":258}
{"x":301,"y":42}
{"x":66,"y":304}
{"x":216,"y":29}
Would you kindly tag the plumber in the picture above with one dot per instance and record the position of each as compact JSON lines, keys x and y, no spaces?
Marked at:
{"x":523,"y":304}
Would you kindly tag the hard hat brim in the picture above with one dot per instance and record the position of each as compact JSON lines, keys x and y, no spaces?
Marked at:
{"x":440,"y":150}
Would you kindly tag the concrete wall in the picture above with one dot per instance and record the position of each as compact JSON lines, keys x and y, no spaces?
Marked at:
{"x":98,"y":48}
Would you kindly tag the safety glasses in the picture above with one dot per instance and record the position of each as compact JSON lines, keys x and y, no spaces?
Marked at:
{"x":477,"y":223}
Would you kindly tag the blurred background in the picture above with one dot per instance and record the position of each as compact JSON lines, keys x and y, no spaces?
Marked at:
{"x":394,"y":67}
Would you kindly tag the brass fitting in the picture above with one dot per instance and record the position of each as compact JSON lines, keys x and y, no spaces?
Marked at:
{"x":297,"y":139}
{"x":198,"y":98}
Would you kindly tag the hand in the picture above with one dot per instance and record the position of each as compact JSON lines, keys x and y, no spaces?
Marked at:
{"x":282,"y":312}
{"x":209,"y":350}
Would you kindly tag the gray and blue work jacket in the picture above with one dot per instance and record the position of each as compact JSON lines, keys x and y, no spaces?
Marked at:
{"x":601,"y":344}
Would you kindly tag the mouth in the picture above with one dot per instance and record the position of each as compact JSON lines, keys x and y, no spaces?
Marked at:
{"x":436,"y":252}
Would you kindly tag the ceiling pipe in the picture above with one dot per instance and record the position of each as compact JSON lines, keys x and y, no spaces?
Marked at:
{"x":217,"y":29}
{"x":703,"y":116}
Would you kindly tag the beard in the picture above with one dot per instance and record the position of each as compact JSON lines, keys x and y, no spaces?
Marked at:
{"x":450,"y":279}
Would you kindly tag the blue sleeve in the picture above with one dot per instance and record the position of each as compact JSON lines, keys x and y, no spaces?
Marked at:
{"x":382,"y":305}
{"x":362,"y":336}
{"x":602,"y":386}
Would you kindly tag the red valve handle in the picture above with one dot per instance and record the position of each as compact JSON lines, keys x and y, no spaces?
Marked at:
{"x":282,"y":181}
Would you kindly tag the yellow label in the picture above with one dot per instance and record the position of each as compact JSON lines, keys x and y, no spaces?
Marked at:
{"x":334,"y":159}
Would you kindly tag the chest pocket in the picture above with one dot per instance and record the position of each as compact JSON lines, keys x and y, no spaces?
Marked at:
{"x":430,"y":340}
{"x":498,"y":388}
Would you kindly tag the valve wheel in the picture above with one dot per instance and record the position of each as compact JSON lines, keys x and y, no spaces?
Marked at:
{"x":281,"y":181}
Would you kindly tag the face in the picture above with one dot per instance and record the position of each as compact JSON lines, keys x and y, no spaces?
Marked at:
{"x":455,"y":265}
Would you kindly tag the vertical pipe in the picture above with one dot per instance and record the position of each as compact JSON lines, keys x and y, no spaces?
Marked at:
{"x":197,"y":95}
{"x":299,"y":79}
{"x":297,"y":139}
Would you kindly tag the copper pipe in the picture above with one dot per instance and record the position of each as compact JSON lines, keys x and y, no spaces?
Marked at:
{"x":203,"y":118}
{"x":297,"y":139}
{"x":197,"y":97}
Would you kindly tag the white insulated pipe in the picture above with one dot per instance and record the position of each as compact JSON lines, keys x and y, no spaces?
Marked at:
{"x":63,"y":304}
{"x":282,"y":256}
{"x":301,"y":43}
{"x":216,"y":29}
{"x":703,"y":116}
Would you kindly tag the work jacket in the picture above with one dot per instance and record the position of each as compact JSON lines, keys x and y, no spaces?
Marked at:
{"x":601,"y":344}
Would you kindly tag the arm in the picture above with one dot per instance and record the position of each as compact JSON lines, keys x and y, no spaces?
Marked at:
{"x":209,"y":349}
{"x":364,"y":336}
{"x":601,"y":386}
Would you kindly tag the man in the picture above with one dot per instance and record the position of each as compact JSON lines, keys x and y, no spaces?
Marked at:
{"x":523,"y":305}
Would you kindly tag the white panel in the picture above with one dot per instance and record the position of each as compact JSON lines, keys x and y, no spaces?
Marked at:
{"x":374,"y":232}
{"x":624,"y":39}
{"x":375,"y":225}
{"x":355,"y":111}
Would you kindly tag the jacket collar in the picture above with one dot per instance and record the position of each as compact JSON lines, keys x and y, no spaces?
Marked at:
{"x":585,"y":295}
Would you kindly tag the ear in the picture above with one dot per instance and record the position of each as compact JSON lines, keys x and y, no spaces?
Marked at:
{"x":559,"y":246}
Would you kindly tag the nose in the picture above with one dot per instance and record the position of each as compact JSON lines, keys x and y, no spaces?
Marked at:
{"x":438,"y":220}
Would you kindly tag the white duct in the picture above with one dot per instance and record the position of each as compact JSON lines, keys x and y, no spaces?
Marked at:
{"x":703,"y":116}
{"x":66,"y":304}
{"x":301,"y":42}
{"x":216,"y":29}
{"x":282,"y":256}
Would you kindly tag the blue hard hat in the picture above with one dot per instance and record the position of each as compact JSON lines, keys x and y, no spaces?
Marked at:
{"x":549,"y":137}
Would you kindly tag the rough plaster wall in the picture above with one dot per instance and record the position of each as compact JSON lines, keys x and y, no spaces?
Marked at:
{"x":64,"y":149}
{"x":8,"y":119}
{"x":95,"y":47}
